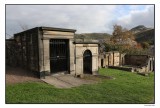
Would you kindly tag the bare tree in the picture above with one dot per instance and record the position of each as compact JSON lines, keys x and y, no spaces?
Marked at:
{"x":23,"y":26}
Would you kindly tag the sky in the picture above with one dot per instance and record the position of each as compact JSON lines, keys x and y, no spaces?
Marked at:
{"x":83,"y":18}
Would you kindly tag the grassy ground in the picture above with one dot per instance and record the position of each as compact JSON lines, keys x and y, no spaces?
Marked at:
{"x":125,"y":88}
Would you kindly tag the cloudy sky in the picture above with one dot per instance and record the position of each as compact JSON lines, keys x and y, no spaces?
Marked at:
{"x":83,"y":18}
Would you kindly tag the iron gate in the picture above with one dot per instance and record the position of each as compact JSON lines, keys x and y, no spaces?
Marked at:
{"x":58,"y":55}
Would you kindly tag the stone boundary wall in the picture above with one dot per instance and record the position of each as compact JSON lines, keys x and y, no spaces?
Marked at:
{"x":136,"y":60}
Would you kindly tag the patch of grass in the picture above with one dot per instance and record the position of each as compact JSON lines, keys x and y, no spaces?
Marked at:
{"x":125,"y":88}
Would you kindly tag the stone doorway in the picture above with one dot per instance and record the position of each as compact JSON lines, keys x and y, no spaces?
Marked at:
{"x":87,"y":62}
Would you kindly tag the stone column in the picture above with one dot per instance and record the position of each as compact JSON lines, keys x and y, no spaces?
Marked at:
{"x":46,"y":62}
{"x":72,"y":56}
{"x":79,"y":60}
{"x":40,"y":47}
{"x":94,"y":64}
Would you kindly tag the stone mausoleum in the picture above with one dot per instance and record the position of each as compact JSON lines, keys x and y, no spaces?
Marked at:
{"x":48,"y":50}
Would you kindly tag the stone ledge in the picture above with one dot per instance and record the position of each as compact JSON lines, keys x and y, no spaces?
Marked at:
{"x":130,"y":69}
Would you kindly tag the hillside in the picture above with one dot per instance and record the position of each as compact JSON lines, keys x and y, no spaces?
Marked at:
{"x":139,"y":28}
{"x":146,"y":36}
{"x":142,"y":34}
{"x":94,"y":36}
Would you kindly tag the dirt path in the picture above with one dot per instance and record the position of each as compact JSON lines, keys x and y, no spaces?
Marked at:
{"x":19,"y":75}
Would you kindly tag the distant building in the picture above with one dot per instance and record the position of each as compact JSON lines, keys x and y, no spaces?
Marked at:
{"x":133,"y":63}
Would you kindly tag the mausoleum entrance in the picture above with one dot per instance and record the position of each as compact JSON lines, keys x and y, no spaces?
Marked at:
{"x":87,"y":62}
{"x":59,"y":55}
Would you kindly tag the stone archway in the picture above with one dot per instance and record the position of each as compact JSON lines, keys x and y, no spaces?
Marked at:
{"x":87,"y":62}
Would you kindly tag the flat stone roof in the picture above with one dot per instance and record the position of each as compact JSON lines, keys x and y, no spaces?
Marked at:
{"x":86,"y":42}
{"x":48,"y":28}
{"x":58,"y":29}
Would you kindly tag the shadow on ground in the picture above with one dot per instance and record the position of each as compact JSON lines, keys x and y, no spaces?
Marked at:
{"x":19,"y":75}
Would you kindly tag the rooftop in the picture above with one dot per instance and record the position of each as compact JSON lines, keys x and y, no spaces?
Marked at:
{"x":57,"y":29}
{"x":49,"y":28}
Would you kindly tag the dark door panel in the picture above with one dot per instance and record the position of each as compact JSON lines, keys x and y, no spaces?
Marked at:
{"x":87,"y":62}
{"x":58,"y":55}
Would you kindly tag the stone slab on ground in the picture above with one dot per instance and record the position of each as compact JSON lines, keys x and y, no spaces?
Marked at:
{"x":66,"y":81}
